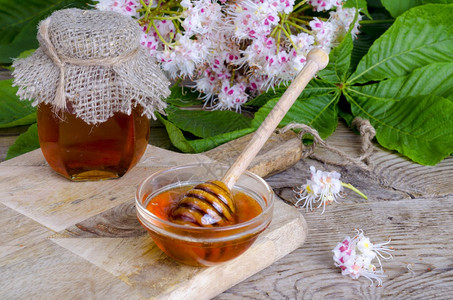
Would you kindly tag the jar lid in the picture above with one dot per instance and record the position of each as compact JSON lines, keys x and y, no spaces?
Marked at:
{"x":94,"y":61}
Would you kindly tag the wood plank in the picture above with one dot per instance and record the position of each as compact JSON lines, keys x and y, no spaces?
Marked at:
{"x":391,"y":168}
{"x":96,"y":222}
{"x":48,"y":271}
{"x":409,"y":203}
{"x":422,"y":267}
{"x":137,"y":260}
{"x":280,"y":152}
{"x":64,"y":203}
{"x":18,"y":232}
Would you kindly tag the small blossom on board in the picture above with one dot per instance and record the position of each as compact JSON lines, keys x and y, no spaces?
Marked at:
{"x":323,"y":188}
{"x":354,"y":257}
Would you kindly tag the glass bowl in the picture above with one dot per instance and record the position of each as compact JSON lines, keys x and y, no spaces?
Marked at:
{"x":202,"y":246}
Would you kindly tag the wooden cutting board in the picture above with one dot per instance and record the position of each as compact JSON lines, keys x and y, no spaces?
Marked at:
{"x":65,"y":240}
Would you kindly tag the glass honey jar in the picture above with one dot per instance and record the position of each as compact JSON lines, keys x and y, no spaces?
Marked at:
{"x":96,"y":89}
{"x":80,"y":151}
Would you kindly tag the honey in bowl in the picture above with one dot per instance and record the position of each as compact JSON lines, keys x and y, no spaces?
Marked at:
{"x":196,"y":245}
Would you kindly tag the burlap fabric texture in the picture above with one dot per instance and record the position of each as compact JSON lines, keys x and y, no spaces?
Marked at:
{"x":91,"y":62}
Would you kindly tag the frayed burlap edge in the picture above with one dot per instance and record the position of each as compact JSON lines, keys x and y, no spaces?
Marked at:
{"x":96,"y":88}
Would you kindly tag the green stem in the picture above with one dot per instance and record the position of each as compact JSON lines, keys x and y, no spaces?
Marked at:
{"x":170,"y":12}
{"x":147,"y":8}
{"x":176,"y":26}
{"x":159,"y":35}
{"x":168,"y":18}
{"x":298,"y":27}
{"x":177,"y":82}
{"x":376,"y":21}
{"x":289,"y":37}
{"x":351,"y":187}
{"x":302,"y":19}
{"x":233,"y":73}
{"x":274,"y":31}
{"x":299,"y":5}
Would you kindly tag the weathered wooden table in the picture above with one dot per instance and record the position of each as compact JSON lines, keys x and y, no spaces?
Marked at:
{"x":80,"y":243}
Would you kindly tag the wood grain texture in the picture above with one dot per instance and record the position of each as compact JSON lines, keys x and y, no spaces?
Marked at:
{"x":279,"y":153}
{"x":54,"y":226}
{"x":43,"y":271}
{"x":138,"y":261}
{"x":408,"y":203}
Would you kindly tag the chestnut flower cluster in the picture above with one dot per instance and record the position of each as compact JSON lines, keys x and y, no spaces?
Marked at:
{"x":355,"y":257}
{"x":234,"y":50}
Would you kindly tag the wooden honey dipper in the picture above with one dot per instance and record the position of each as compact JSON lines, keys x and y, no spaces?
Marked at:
{"x":211,"y":203}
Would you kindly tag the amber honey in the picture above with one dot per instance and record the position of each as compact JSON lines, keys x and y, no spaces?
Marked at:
{"x":80,"y":151}
{"x":218,"y":246}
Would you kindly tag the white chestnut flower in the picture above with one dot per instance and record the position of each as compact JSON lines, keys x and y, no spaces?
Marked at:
{"x":323,"y":188}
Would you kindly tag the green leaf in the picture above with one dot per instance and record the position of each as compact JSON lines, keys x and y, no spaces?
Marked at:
{"x":318,"y":111}
{"x":421,"y":36}
{"x":27,"y":120}
{"x":14,"y":112}
{"x":263,"y":98}
{"x":183,"y":97}
{"x":180,"y":141}
{"x":24,"y":54}
{"x":26,"y":142}
{"x":396,"y":8}
{"x":359,"y":4}
{"x":419,"y":127}
{"x":369,"y":32}
{"x":206,"y":144}
{"x":339,"y":61}
{"x":205,"y":124}
{"x":386,"y":105}
{"x":176,"y":136}
{"x":434,"y":79}
{"x":314,"y":87}
{"x":19,"y":20}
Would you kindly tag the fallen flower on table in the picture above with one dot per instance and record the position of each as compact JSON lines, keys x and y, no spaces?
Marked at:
{"x":354,"y":256}
{"x":322,"y":187}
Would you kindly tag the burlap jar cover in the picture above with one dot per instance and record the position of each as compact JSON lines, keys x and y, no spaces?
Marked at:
{"x":93,"y":61}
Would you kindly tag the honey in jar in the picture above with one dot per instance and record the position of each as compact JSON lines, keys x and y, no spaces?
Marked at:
{"x":96,"y":88}
{"x":81,"y":151}
{"x":219,"y":246}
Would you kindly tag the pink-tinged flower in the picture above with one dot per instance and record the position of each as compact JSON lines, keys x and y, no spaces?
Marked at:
{"x":342,"y":19}
{"x":253,"y":45}
{"x":125,"y":7}
{"x":320,"y":5}
{"x":232,"y":96}
{"x":181,"y":60}
{"x":354,"y":257}
{"x":324,"y":32}
{"x":323,"y":188}
{"x":202,"y":17}
{"x":150,"y":42}
{"x":250,"y":19}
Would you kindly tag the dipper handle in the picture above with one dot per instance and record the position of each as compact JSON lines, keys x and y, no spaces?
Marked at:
{"x":317,"y":60}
